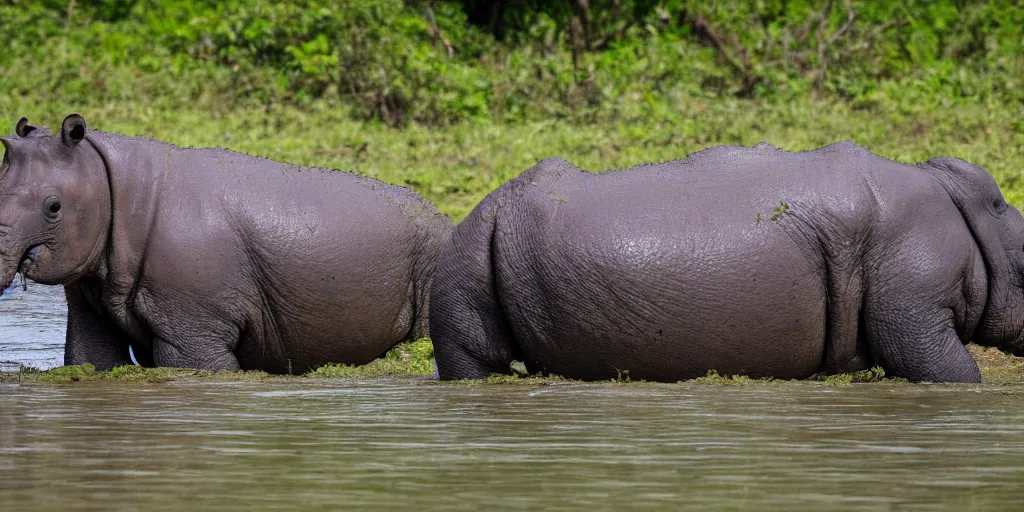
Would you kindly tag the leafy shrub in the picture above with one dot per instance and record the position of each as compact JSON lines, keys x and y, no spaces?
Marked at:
{"x":439,"y":62}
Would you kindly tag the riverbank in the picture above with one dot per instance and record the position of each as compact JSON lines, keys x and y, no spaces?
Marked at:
{"x":414,"y":359}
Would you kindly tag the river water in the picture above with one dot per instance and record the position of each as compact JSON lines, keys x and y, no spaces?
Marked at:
{"x":413,"y":444}
{"x":32,"y":326}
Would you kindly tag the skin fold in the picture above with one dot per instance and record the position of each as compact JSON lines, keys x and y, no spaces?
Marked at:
{"x":745,"y":260}
{"x":210,"y":259}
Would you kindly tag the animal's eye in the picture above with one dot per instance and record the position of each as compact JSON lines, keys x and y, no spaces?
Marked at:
{"x":52,"y":206}
{"x":999,"y":205}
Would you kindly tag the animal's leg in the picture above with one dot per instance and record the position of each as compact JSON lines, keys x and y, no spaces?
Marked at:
{"x":196,"y":353}
{"x":919,"y":346}
{"x":921,"y":297}
{"x":467,"y":325}
{"x":92,"y":337}
{"x":909,"y":316}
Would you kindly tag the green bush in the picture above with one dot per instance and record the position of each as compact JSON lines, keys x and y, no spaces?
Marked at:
{"x":442,"y":62}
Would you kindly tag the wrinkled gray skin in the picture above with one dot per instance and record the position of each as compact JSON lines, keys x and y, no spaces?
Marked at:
{"x":670,"y":270}
{"x":210,"y":259}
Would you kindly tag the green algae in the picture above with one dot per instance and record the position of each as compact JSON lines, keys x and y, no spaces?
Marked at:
{"x":779,"y":212}
{"x":412,"y":358}
{"x":69,"y":373}
{"x":873,"y":374}
{"x":714,"y":378}
{"x":997,"y":367}
{"x":513,"y":379}
{"x":542,"y":380}
{"x":416,"y":359}
{"x":131,"y":373}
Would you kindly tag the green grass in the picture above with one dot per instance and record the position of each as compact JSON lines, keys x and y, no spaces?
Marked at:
{"x":87,"y":372}
{"x":458,"y":165}
{"x":412,"y":358}
{"x":416,"y":359}
{"x":997,"y":367}
{"x":714,"y":378}
{"x":875,"y":374}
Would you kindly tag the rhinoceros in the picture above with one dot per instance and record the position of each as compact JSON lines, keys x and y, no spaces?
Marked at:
{"x":744,"y":260}
{"x":212,"y":259}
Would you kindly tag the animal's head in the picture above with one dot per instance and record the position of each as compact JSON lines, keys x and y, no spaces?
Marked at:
{"x":998,"y":230}
{"x":54,"y":203}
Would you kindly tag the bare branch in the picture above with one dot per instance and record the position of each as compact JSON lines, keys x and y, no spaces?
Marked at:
{"x":850,"y":16}
{"x":435,"y":31}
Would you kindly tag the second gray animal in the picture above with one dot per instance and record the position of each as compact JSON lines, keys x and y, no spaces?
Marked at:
{"x":744,"y":260}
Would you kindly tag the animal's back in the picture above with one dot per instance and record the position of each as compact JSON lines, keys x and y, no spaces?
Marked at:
{"x":365,"y":246}
{"x":710,"y":262}
{"x":323,"y":265}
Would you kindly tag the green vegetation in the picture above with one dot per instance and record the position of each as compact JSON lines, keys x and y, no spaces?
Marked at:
{"x":997,"y":367}
{"x":452,"y":98}
{"x":875,"y":374}
{"x":714,"y":378}
{"x":414,"y":358}
{"x":780,"y":211}
{"x":535,"y":380}
{"x":322,"y":82}
{"x":439,"y":62}
{"x":457,"y":166}
{"x":87,"y":372}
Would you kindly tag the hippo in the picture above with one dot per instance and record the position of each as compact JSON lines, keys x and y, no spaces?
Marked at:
{"x":211,"y":259}
{"x":744,"y":260}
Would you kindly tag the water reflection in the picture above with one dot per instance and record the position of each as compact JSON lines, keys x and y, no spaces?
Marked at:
{"x":407,"y":444}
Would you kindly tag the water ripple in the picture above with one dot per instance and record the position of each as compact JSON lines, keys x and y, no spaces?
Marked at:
{"x":401,"y":444}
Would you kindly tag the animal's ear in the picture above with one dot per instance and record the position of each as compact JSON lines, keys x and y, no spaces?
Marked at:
{"x":22,"y":129}
{"x":73,"y":129}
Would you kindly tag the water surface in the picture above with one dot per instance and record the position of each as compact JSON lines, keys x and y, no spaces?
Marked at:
{"x":32,"y":324}
{"x":405,"y":444}
{"x":410,"y":444}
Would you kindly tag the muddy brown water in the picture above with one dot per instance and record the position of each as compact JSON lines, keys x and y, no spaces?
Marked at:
{"x":408,"y":444}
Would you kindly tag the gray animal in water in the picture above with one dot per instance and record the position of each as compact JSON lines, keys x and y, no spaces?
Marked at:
{"x":210,"y":259}
{"x":751,"y":261}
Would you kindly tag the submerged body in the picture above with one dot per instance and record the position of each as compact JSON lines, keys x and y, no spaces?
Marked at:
{"x":217,"y":260}
{"x":749,"y":261}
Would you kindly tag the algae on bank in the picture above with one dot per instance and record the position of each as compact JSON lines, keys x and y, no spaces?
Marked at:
{"x":416,"y":359}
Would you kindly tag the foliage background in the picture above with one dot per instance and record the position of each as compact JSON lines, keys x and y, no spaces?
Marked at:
{"x":453,"y":97}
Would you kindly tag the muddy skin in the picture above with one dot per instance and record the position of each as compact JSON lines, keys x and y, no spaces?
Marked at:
{"x":747,"y":261}
{"x":211,"y":259}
